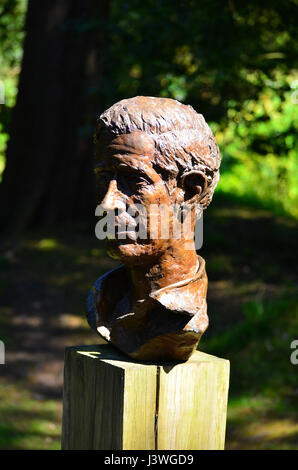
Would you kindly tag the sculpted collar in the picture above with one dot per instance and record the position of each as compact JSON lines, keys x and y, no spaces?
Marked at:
{"x":112,"y":291}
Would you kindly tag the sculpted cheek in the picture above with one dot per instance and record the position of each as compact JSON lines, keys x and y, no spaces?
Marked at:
{"x":156,"y":194}
{"x":177,"y":196}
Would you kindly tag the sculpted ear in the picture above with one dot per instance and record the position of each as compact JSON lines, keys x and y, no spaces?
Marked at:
{"x":194,"y":184}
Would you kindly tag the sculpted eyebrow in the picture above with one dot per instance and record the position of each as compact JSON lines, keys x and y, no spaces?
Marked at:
{"x":132,"y":169}
{"x":122,"y":168}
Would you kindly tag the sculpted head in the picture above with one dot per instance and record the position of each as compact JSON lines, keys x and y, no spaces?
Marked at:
{"x":153,"y":151}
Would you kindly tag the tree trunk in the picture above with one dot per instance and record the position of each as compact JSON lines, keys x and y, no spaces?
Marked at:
{"x":49,"y":176}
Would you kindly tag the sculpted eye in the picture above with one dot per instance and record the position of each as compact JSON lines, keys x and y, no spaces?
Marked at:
{"x":132,"y":181}
{"x":136,"y":179}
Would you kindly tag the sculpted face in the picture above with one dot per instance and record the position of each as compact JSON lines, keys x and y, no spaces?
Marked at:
{"x":156,"y":162}
{"x":126,"y":177}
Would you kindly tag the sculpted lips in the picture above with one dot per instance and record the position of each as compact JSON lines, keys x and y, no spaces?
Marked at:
{"x":157,"y":165}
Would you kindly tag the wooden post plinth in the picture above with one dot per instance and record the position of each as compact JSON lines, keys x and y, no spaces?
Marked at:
{"x":113,"y":403}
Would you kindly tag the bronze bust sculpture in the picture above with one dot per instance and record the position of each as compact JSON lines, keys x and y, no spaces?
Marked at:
{"x":153,"y":152}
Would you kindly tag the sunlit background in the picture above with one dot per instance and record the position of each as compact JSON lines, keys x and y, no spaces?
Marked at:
{"x":236,"y":63}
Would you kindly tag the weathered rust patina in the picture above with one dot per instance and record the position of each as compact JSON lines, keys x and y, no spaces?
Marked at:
{"x":153,"y":151}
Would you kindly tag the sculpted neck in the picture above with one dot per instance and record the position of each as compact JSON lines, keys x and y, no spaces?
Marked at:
{"x":175,"y":265}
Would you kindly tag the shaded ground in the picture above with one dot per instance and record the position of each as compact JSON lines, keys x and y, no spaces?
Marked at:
{"x":253,"y":320}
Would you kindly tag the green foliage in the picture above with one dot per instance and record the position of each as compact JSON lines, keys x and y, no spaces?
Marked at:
{"x":12,"y":13}
{"x":203,"y":53}
{"x":12,"y":18}
{"x":259,"y":150}
{"x":233,"y":61}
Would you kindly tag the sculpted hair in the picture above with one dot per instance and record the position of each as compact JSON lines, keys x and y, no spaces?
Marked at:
{"x":183,"y":140}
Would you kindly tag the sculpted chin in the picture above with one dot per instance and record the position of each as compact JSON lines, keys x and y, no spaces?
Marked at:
{"x":153,"y":151}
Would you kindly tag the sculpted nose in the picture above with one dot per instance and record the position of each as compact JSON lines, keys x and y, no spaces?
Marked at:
{"x":113,"y":199}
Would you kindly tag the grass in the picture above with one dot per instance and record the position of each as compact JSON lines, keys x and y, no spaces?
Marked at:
{"x":27,"y":420}
{"x":263,"y":399}
{"x":260,"y":423}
